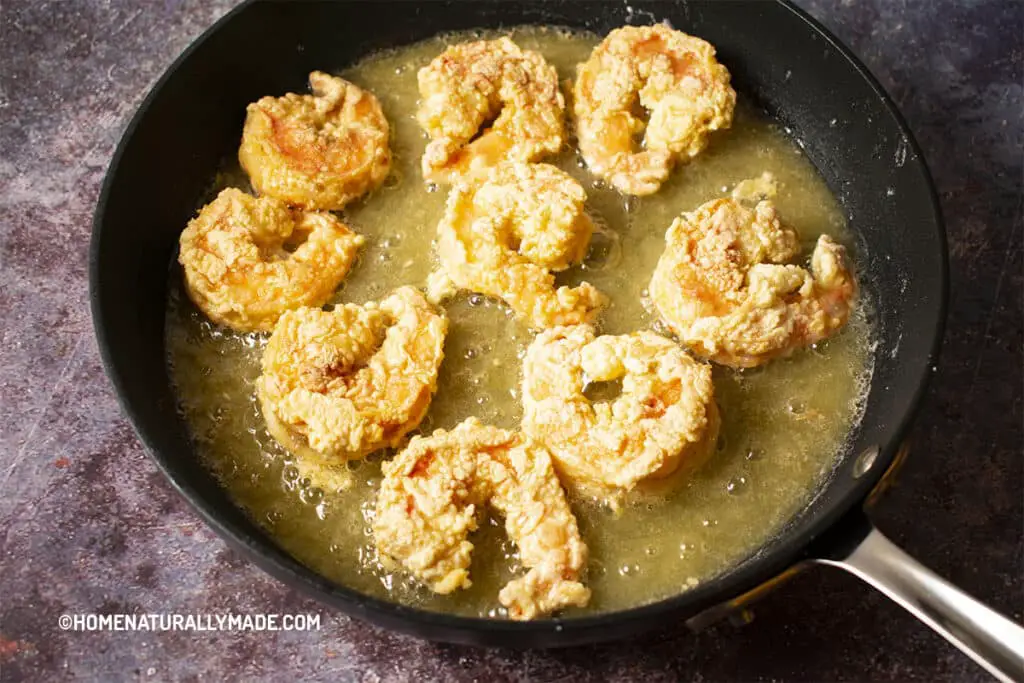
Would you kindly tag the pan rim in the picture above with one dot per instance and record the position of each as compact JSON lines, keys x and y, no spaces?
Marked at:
{"x":749,"y":573}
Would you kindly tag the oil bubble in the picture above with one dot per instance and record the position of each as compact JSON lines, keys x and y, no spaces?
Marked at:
{"x":736,"y":485}
{"x":605,"y":251}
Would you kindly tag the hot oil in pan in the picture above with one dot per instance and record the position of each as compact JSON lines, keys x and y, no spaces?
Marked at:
{"x":783,"y":425}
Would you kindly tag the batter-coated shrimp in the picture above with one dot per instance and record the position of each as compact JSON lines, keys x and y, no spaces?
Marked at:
{"x":502,"y":237}
{"x":470,"y":84}
{"x":721,"y":286}
{"x":664,"y":422}
{"x":247,"y":260}
{"x":672,"y":75}
{"x":433,"y":494}
{"x":319,"y":151}
{"x":339,"y":384}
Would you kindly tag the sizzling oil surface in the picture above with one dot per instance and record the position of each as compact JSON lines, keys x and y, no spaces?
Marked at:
{"x":783,"y":425}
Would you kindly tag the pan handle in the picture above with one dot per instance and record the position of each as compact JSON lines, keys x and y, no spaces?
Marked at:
{"x":990,"y":639}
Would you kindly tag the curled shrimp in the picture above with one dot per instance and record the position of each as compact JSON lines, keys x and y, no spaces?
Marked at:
{"x":663,"y":423}
{"x":471,"y":84}
{"x":723,"y":287}
{"x":432,"y":497}
{"x":319,"y":151}
{"x":249,"y":259}
{"x":504,"y":236}
{"x":337,"y":385}
{"x":672,"y":75}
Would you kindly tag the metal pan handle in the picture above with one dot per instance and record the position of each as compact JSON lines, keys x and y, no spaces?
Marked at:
{"x":990,"y":639}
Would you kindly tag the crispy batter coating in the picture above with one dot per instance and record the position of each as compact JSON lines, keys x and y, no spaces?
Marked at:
{"x":337,"y":385}
{"x":673,"y":76}
{"x":434,"y":493}
{"x":750,"y":191}
{"x":504,"y":236}
{"x":723,"y":288}
{"x":319,"y":151}
{"x":247,"y":260}
{"x":663,"y":424}
{"x":470,"y":85}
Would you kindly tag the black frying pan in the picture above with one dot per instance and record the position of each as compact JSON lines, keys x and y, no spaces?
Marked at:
{"x":779,"y":58}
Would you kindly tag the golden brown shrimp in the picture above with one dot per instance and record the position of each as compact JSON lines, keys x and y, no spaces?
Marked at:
{"x":434,"y":493}
{"x":339,"y":384}
{"x":470,"y":84}
{"x":319,"y":151}
{"x":672,"y":75}
{"x":247,"y":260}
{"x":723,"y":289}
{"x":502,"y":237}
{"x":663,"y":424}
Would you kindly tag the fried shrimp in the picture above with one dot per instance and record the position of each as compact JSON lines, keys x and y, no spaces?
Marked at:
{"x":723,"y":288}
{"x":504,"y":236}
{"x":247,"y":260}
{"x":319,"y":151}
{"x":339,"y":384}
{"x":673,"y":76}
{"x":663,"y":423}
{"x":434,"y":492}
{"x":471,"y":84}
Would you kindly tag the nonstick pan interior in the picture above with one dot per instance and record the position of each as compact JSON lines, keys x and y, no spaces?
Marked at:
{"x":779,"y":59}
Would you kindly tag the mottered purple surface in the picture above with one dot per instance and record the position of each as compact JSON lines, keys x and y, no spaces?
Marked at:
{"x":87,"y":524}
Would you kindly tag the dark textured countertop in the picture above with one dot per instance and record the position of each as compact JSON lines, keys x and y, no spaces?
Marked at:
{"x":89,"y":525}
